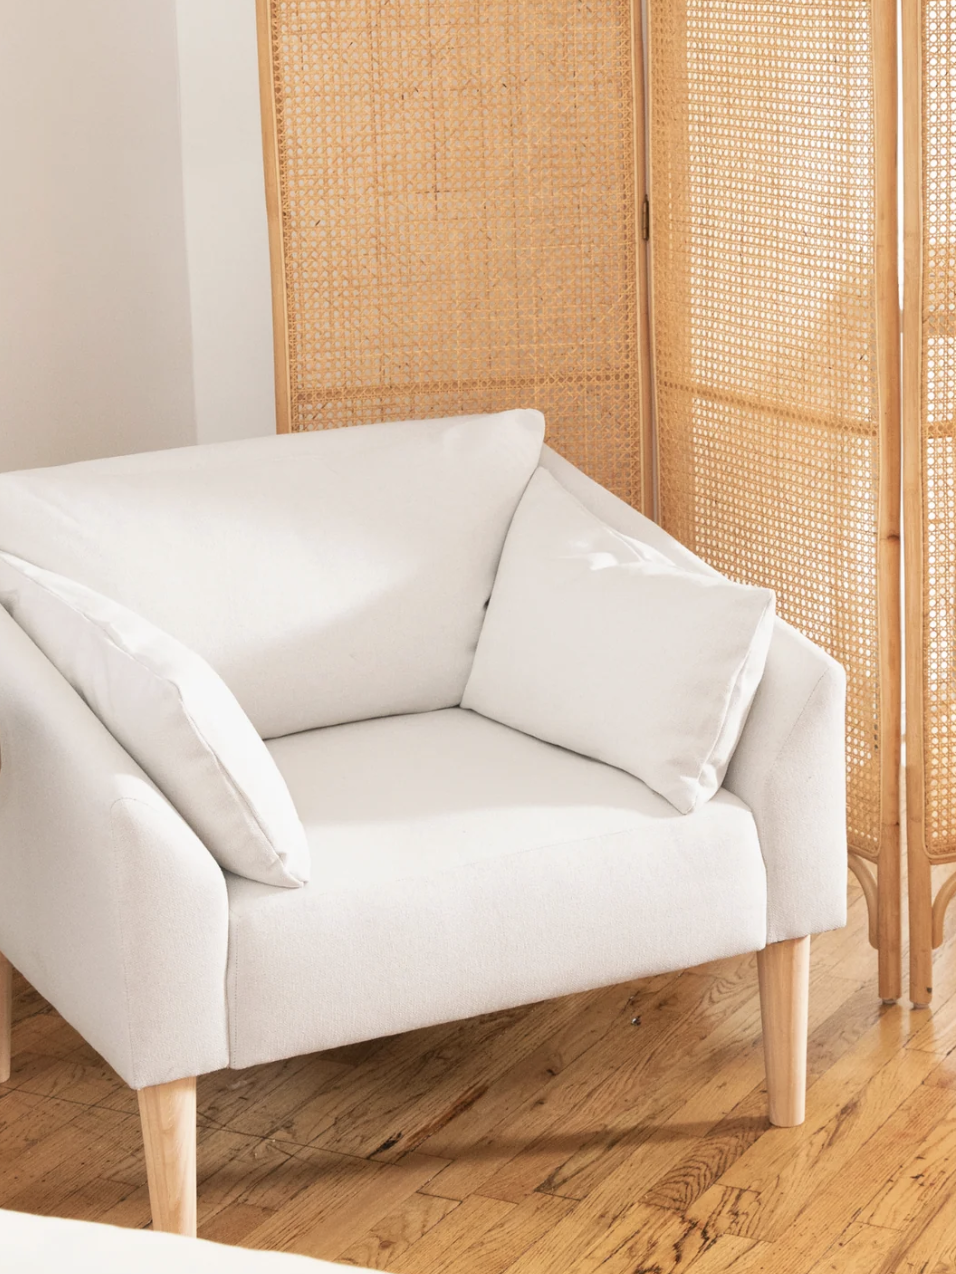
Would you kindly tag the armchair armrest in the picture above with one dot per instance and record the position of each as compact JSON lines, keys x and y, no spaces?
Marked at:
{"x":109,"y":904}
{"x":789,"y":766}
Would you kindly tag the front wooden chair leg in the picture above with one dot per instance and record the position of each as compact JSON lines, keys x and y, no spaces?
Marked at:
{"x":168,"y":1116}
{"x":6,"y":1017}
{"x":783,"y":969}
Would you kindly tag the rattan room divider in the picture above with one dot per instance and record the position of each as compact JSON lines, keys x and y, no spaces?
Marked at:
{"x":689,"y":263}
{"x":772,"y":158}
{"x":456,"y":190}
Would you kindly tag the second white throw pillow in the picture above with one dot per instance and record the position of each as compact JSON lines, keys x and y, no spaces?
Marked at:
{"x":173,"y":714}
{"x":598,"y":643}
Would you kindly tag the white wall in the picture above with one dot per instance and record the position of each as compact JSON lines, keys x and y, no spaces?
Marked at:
{"x":95,"y":352}
{"x":227,"y":234}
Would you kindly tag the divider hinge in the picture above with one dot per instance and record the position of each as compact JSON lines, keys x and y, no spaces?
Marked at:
{"x":646,"y":219}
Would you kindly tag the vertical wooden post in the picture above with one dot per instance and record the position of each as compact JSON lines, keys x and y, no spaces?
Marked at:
{"x":270,"y":153}
{"x":885,"y":108}
{"x":920,"y":875}
{"x":640,"y":105}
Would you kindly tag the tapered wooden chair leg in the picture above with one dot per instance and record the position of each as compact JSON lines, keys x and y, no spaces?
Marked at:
{"x":783,"y":969}
{"x":168,"y":1115}
{"x":6,"y":1017}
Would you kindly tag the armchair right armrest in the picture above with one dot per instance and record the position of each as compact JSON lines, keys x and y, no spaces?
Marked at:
{"x":790,"y":769}
{"x":789,"y":766}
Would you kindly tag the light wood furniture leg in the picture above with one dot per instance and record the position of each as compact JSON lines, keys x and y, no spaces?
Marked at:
{"x":6,"y":1016}
{"x":783,"y":969}
{"x":168,"y":1115}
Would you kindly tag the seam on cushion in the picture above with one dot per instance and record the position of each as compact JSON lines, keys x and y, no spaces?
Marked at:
{"x":247,"y":808}
{"x":122,"y":930}
{"x":494,"y":575}
{"x":727,"y":705}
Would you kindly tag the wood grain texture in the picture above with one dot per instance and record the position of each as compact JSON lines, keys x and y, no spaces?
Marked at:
{"x":887,"y":336}
{"x":168,"y":1116}
{"x":620,"y":1130}
{"x":784,"y":974}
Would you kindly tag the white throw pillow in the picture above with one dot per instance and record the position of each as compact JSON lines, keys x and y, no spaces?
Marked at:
{"x":326,"y":577}
{"x":600,"y":644}
{"x":174,"y":716}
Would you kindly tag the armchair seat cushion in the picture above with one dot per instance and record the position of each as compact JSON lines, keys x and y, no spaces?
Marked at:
{"x":467,"y":867}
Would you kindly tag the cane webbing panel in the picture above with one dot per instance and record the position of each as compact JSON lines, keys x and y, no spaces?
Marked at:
{"x":935,"y":644}
{"x":761,"y":147}
{"x":458,"y":216}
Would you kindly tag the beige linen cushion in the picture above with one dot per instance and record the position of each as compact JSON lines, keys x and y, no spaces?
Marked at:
{"x":172,"y":714}
{"x":596,"y":642}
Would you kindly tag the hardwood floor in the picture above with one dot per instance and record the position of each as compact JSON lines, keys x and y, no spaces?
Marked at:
{"x":623,"y":1131}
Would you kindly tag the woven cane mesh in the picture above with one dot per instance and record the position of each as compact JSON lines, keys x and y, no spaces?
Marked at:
{"x":937,"y":424}
{"x":761,"y":146}
{"x":458,"y":216}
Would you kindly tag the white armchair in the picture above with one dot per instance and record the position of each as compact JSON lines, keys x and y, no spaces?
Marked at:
{"x":458,"y":866}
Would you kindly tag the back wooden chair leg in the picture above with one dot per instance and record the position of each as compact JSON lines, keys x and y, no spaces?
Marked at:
{"x":168,"y":1116}
{"x":783,"y":969}
{"x":6,"y":1017}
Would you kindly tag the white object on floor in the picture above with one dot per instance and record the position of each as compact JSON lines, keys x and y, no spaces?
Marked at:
{"x":49,"y":1245}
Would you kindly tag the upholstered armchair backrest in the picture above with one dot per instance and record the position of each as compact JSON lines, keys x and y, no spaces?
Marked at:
{"x":327,"y":577}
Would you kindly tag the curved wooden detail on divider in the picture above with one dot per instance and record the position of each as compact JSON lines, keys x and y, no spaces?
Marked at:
{"x":455,"y":195}
{"x":772,"y":151}
{"x":868,"y":883}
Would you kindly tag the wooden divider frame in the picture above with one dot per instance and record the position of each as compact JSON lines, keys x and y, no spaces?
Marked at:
{"x":875,"y":860}
{"x":886,"y":264}
{"x":926,"y":914}
{"x":268,"y":101}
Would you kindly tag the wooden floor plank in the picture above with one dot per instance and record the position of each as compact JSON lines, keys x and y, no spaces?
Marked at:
{"x":601,"y":1102}
{"x":467,"y":1224}
{"x":502,"y":1245}
{"x":781,"y":1172}
{"x":394,"y":1234}
{"x":617,"y":1131}
{"x":862,"y":1249}
{"x":338,"y":1200}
